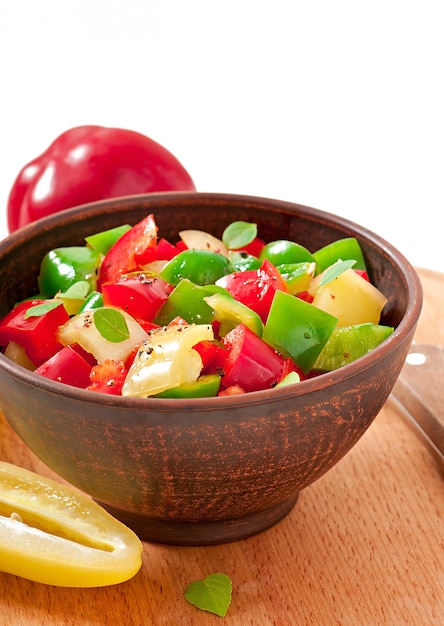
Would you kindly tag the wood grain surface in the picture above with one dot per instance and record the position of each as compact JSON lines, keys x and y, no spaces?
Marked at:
{"x":364,"y":545}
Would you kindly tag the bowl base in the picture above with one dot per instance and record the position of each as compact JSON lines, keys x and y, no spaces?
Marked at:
{"x":202,"y":533}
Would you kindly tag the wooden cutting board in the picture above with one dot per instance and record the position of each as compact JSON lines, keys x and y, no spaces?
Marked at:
{"x":363,"y":546}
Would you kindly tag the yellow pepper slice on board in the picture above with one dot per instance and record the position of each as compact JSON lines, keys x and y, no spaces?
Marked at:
{"x":54,"y":534}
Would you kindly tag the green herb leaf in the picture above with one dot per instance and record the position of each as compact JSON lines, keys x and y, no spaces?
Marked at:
{"x":111,"y":324}
{"x":336,"y":270}
{"x":40,"y":309}
{"x":239,"y":234}
{"x":77,"y":291}
{"x":212,"y":594}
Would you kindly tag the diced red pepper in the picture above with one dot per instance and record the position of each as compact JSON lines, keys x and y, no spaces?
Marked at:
{"x":255,"y":288}
{"x":304,"y":295}
{"x":363,"y":274}
{"x":139,"y":296}
{"x":165,"y":250}
{"x":37,"y":334}
{"x":254,"y":248}
{"x":250,"y":362}
{"x":147,"y":326}
{"x":291,"y":366}
{"x":108,"y":377}
{"x":135,"y":248}
{"x":181,"y":245}
{"x":67,"y":366}
{"x":87,"y":356}
{"x":212,"y":355}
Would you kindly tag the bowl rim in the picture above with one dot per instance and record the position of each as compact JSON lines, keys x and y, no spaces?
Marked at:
{"x":329,"y":379}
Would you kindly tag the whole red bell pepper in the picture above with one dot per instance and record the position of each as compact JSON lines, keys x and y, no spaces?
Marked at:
{"x":90,"y":163}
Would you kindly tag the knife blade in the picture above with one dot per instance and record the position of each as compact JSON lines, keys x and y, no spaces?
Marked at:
{"x":419,"y":394}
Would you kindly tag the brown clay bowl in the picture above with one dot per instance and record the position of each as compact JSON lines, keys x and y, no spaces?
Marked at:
{"x":212,"y":470}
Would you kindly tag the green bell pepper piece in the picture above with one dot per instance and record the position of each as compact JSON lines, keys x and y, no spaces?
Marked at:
{"x":107,"y":238}
{"x":242,"y":261}
{"x":297,"y":329}
{"x":290,"y":379}
{"x":230,"y":313}
{"x":187,"y":300}
{"x":297,"y":276}
{"x":283,"y":251}
{"x":348,"y":343}
{"x":205,"y":386}
{"x":62,"y":267}
{"x":346,"y":249}
{"x":93,"y":301}
{"x":201,"y":267}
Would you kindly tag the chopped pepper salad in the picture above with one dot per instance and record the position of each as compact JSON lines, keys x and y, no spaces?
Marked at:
{"x":131,"y":313}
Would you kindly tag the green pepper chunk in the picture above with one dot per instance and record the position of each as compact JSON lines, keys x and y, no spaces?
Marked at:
{"x":298,"y":329}
{"x":93,"y":301}
{"x":62,"y":267}
{"x":230,"y":312}
{"x":187,"y":300}
{"x":205,"y":386}
{"x":283,"y":251}
{"x":201,"y":267}
{"x":345,"y":249}
{"x":241,"y":261}
{"x":290,"y":379}
{"x":297,"y":276}
{"x":348,"y":343}
{"x":104,"y":240}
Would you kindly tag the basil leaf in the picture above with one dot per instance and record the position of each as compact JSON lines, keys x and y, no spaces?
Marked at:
{"x":77,"y":291}
{"x":239,"y":234}
{"x":212,"y":594}
{"x":111,"y":324}
{"x":40,"y":309}
{"x":336,"y":270}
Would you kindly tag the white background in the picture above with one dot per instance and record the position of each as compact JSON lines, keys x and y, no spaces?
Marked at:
{"x":337,"y":105}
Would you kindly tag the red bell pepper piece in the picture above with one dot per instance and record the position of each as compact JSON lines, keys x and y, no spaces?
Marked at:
{"x":37,"y":334}
{"x":254,"y":248}
{"x":67,"y":366}
{"x":291,"y":366}
{"x":363,"y":274}
{"x":250,"y":363}
{"x":212,"y":355}
{"x":181,"y":245}
{"x":306,"y":296}
{"x":165,"y":250}
{"x":135,"y":248}
{"x":255,"y":288}
{"x":90,"y":163}
{"x":108,"y":377}
{"x":139,"y":296}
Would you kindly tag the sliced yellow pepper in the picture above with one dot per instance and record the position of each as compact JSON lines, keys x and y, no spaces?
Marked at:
{"x":54,"y":534}
{"x":166,"y":360}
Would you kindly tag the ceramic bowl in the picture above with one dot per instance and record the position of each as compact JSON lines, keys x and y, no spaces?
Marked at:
{"x":212,"y":470}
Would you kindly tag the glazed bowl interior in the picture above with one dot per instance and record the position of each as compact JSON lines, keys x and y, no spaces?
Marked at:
{"x":196,"y":471}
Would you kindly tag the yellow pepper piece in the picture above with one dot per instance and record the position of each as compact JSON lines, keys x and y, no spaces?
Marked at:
{"x":54,"y":534}
{"x":350,"y":298}
{"x":166,"y":360}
